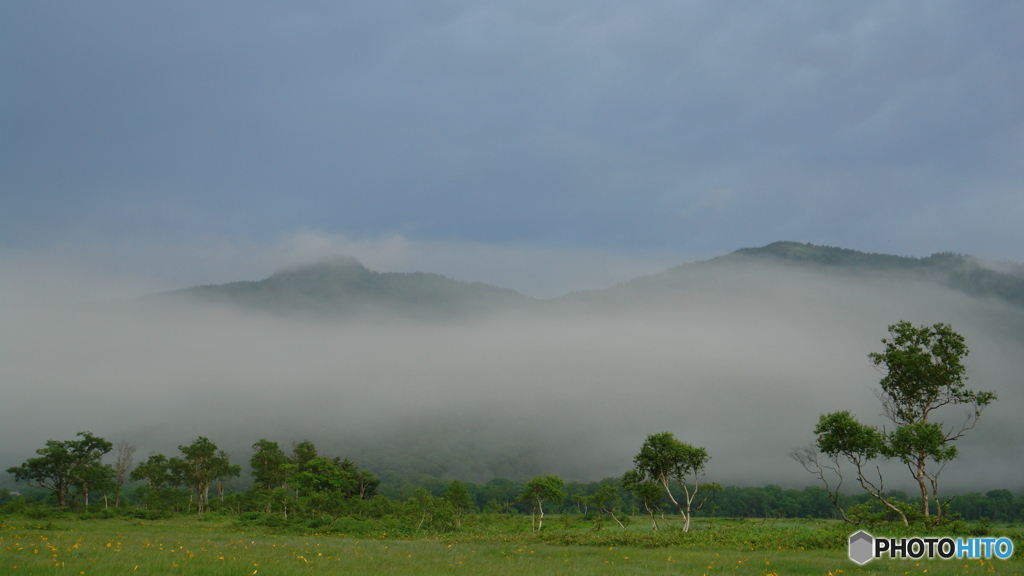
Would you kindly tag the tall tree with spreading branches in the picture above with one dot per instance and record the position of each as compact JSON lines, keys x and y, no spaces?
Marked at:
{"x":200,"y":466}
{"x":544,"y":487}
{"x":923,"y":371}
{"x":66,"y":464}
{"x":663,"y":459}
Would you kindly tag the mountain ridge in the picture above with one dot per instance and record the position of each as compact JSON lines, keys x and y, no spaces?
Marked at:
{"x":963,"y":273}
{"x":342,"y":286}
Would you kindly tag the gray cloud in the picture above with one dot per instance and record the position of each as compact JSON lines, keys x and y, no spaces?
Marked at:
{"x":583,"y":124}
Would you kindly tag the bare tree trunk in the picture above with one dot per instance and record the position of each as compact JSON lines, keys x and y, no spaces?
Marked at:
{"x":808,"y":458}
{"x":878,"y":491}
{"x":920,"y":476}
{"x":654,"y":521}
{"x":612,"y":514}
{"x":123,"y":463}
{"x":935,"y":495}
{"x":684,"y":512}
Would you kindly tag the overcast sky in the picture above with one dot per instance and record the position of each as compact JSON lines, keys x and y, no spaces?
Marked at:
{"x":196,"y":142}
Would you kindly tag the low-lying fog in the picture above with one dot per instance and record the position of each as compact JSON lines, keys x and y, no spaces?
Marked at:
{"x":742,"y":361}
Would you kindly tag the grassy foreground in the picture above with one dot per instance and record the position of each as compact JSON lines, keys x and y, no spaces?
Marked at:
{"x":217,"y":547}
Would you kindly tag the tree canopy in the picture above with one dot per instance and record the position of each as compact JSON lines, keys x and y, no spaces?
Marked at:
{"x":544,"y":487}
{"x":66,"y":464}
{"x":922,"y":371}
{"x":663,"y":458}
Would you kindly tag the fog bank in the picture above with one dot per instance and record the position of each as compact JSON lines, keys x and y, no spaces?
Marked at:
{"x":742,"y":361}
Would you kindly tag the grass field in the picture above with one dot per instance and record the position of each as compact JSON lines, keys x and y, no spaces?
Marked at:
{"x":189,"y":546}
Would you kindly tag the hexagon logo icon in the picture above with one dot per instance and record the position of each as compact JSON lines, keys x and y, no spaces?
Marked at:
{"x":862,"y":547}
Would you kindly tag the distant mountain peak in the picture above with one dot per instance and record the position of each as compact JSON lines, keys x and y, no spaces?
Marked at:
{"x":326,"y":264}
{"x":343,"y":269}
{"x":960,"y":272}
{"x":834,"y":256}
{"x":341,"y":286}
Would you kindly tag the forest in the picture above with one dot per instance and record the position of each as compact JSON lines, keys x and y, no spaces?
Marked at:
{"x":306,"y":489}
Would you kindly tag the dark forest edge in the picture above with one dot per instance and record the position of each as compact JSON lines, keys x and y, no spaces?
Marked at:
{"x":309,"y":492}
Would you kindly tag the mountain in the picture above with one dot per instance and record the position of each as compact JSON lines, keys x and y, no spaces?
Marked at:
{"x":343,"y":287}
{"x":962,"y":273}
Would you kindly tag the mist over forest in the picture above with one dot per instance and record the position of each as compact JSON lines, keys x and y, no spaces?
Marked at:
{"x":419,"y":373}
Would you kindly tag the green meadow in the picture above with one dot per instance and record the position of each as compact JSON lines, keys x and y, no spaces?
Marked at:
{"x":216,"y":545}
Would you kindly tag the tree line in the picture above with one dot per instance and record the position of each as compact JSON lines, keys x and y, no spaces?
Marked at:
{"x":306,"y":485}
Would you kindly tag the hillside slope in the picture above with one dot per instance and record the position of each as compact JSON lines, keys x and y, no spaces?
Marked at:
{"x":343,"y":287}
{"x":959,"y":272}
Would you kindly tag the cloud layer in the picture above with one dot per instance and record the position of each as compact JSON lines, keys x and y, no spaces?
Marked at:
{"x":696,"y":127}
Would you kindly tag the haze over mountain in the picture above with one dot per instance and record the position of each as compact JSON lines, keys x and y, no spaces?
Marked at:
{"x":417,"y":373}
{"x":343,"y":287}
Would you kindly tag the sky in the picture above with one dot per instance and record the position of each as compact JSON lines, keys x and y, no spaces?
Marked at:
{"x":547,"y":146}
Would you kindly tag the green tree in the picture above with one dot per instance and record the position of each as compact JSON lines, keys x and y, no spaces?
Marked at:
{"x":366,"y":483}
{"x":268,"y":465}
{"x":923,"y":371}
{"x":322,"y":474}
{"x":324,"y":484}
{"x":96,"y":477}
{"x":541,"y":488}
{"x":270,"y":468}
{"x":458,"y":496}
{"x":164,"y":477}
{"x":63,"y":465}
{"x":302,"y":453}
{"x":606,"y":499}
{"x":663,"y":458}
{"x":647,"y":491}
{"x":200,"y":466}
{"x":435,"y":513}
{"x":310,"y":472}
{"x":156,"y":470}
{"x":225,"y":470}
{"x":842,"y":437}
